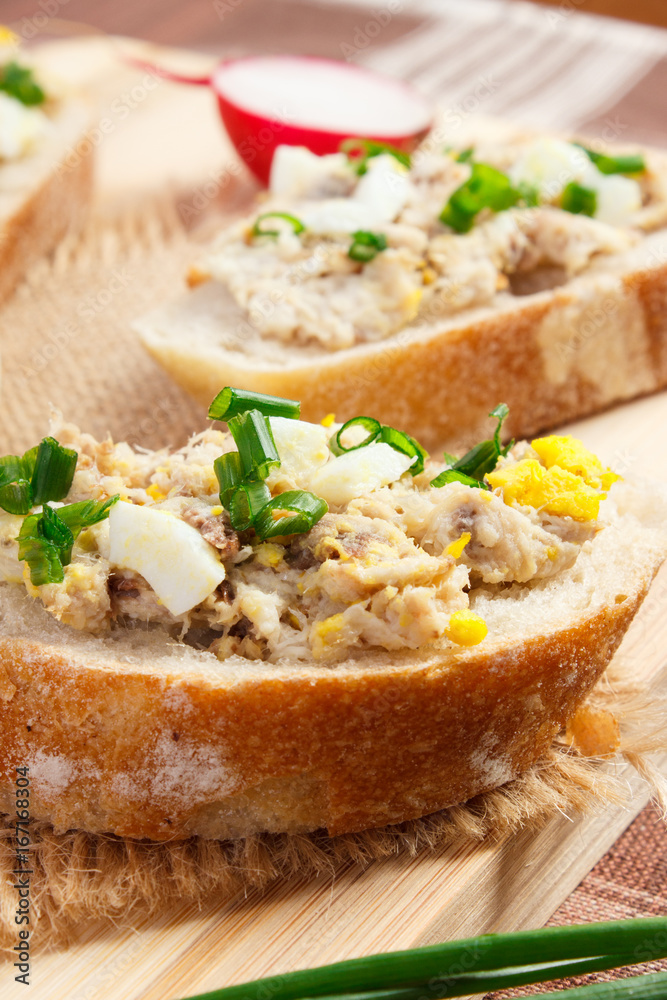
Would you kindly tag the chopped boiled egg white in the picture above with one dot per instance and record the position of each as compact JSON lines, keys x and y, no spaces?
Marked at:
{"x":551,"y":164}
{"x":358,"y":472}
{"x":301,"y":446}
{"x":378,"y":198}
{"x":618,"y":198}
{"x":181,"y":567}
{"x":385,"y":187}
{"x":298,"y":173}
{"x":20,"y":127}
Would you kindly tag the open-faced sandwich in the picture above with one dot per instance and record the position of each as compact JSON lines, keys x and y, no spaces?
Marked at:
{"x":289,"y":625}
{"x":522,"y":267}
{"x":45,"y":166}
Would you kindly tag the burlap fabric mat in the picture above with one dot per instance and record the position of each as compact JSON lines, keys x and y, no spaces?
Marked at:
{"x":66,"y":340}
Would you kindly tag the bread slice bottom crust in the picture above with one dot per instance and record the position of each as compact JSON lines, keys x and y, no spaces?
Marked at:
{"x":145,"y":737}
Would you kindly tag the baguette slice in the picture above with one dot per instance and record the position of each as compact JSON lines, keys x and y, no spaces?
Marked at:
{"x":553,"y":356}
{"x":45,"y":194}
{"x":147,"y":737}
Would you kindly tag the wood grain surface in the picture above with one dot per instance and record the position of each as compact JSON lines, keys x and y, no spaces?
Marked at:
{"x":402,"y":901}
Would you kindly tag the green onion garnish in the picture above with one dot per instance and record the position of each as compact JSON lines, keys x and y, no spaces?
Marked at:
{"x":246,"y":502}
{"x":630,"y":164}
{"x":230,"y":402}
{"x":16,"y":497}
{"x":578,"y":200}
{"x":360,"y":151}
{"x":290,"y":513}
{"x":369,"y":424}
{"x":257,"y":230}
{"x":471,"y":468}
{"x":46,"y":539}
{"x":54,"y":471}
{"x":497,"y":960}
{"x":403,"y":442}
{"x":252,"y":432}
{"x":42,"y":473}
{"x":229,"y":471}
{"x":366,"y":245}
{"x":381,"y":434}
{"x":529,"y":195}
{"x":466,"y":155}
{"x":485,"y":188}
{"x":19,"y":82}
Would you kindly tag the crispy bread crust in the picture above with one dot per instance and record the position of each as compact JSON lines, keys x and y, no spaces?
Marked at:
{"x":54,"y":200}
{"x":164,"y":755}
{"x":552,"y":356}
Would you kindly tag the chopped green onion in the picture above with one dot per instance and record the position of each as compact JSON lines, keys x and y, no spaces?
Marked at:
{"x":19,"y":82}
{"x":16,"y":497}
{"x":41,"y":555}
{"x":254,"y":440}
{"x":578,"y":200}
{"x":369,"y":424}
{"x":498,"y":960}
{"x":360,"y":151}
{"x":54,"y":471}
{"x":366,"y":246}
{"x":466,"y":155}
{"x":485,"y":188}
{"x":529,"y":195}
{"x":290,"y":513}
{"x":403,"y":442}
{"x":629,"y":164}
{"x":229,"y":471}
{"x":46,"y":539}
{"x":296,"y":224}
{"x":452,"y":476}
{"x":476,"y":463}
{"x":230,"y":402}
{"x":86,"y":513}
{"x":248,"y":499}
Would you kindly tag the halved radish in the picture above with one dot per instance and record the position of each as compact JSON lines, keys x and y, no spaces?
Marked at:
{"x":267,"y":101}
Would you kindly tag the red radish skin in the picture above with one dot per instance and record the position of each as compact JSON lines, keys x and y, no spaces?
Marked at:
{"x":267,"y":101}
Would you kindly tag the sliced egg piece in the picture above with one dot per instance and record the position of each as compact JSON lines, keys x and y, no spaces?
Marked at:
{"x":181,"y":567}
{"x":384,"y":188}
{"x":552,"y":164}
{"x":358,"y":472}
{"x":301,"y":446}
{"x":618,"y":198}
{"x":298,"y":173}
{"x":20,"y":127}
{"x":339,"y":215}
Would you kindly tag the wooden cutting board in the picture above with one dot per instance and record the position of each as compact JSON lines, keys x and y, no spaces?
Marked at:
{"x":163,"y":132}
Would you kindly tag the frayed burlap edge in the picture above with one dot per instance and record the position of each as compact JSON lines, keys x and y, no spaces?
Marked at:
{"x":80,"y":876}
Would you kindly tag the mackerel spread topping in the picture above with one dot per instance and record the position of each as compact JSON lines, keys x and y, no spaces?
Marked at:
{"x":352,"y":247}
{"x":281,"y":539}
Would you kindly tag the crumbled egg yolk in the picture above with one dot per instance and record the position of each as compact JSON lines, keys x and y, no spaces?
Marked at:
{"x":456,"y":548}
{"x":326,"y":634}
{"x":567,"y":481}
{"x":269,"y":554}
{"x":412,"y":301}
{"x":554,"y":490}
{"x":155,"y":493}
{"x":466,"y":628}
{"x":570,"y":454}
{"x":328,"y":420}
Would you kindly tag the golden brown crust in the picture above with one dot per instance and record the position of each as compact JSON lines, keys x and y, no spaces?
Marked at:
{"x":54,"y":203}
{"x":163,"y":755}
{"x":552,"y":357}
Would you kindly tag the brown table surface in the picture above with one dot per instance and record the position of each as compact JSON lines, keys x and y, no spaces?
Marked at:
{"x":631,"y":880}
